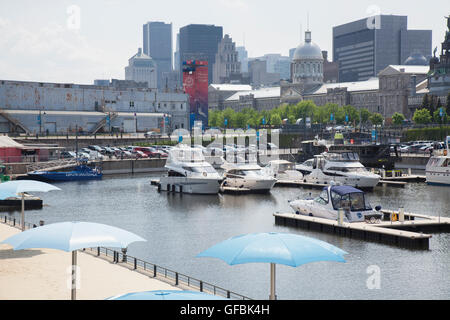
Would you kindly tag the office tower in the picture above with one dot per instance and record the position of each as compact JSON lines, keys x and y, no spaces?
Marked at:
{"x":227,"y":64}
{"x":200,"y":42}
{"x":365,"y":47}
{"x":141,"y":68}
{"x":243,"y":58}
{"x":158,"y":45}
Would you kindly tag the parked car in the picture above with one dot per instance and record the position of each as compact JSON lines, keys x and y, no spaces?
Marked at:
{"x":140,"y":154}
{"x":152,"y":134}
{"x":68,"y":155}
{"x":95,"y":148}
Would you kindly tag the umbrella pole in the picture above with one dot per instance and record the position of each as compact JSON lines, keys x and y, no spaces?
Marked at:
{"x":272,"y":282}
{"x":23,"y":212}
{"x":74,"y":275}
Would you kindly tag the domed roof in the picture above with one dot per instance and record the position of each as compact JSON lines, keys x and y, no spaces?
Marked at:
{"x":308,"y":50}
{"x":416,"y":59}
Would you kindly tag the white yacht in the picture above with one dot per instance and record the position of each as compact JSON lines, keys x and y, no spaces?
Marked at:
{"x":341,"y":167}
{"x":438,"y":167}
{"x":283,"y":170}
{"x":248,"y":177}
{"x":188,"y":172}
{"x":327,"y":205}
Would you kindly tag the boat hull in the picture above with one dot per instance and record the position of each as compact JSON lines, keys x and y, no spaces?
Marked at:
{"x":438,"y":179}
{"x":362,"y":181}
{"x":189,"y":185}
{"x":253,"y":186}
{"x":62,"y":176}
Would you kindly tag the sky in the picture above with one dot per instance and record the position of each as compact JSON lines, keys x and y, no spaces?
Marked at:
{"x":78,"y":41}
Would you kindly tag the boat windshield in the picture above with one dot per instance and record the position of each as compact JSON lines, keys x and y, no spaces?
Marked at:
{"x":344,"y":156}
{"x":308,"y":163}
{"x":350,"y":201}
{"x":208,"y":169}
{"x":285,"y":166}
{"x":253,"y":173}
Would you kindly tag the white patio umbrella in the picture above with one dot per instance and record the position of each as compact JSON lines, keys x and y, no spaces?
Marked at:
{"x":22,"y":186}
{"x":71,"y":236}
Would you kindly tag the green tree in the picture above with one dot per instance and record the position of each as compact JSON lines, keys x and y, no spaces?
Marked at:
{"x":229,"y":114}
{"x":376,"y":118}
{"x":398,"y":118}
{"x":212,"y":118}
{"x":426,"y":101}
{"x":437,"y":118}
{"x":275,"y":119}
{"x":353,"y":114}
{"x":240,"y":120}
{"x":291,"y":119}
{"x":422,"y":116}
{"x":365,"y":115}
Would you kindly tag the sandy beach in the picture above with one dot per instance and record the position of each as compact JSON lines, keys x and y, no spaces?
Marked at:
{"x":44,"y":274}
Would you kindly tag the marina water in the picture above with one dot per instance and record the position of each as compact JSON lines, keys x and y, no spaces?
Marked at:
{"x":179,"y":226}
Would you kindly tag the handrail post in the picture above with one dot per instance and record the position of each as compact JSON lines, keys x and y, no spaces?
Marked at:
{"x":154,"y":271}
{"x":201,"y":286}
{"x":135,"y":263}
{"x":98,"y":251}
{"x":176,"y":278}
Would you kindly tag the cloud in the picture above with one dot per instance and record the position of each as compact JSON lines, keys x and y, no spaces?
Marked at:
{"x":50,"y":53}
{"x":234,"y":4}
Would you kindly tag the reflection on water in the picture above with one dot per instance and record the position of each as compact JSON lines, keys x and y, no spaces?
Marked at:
{"x":178,"y":227}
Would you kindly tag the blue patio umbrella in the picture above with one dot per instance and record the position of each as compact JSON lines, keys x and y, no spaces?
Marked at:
{"x":274,"y":248}
{"x":22,"y":186}
{"x":71,"y":236}
{"x":166,"y":295}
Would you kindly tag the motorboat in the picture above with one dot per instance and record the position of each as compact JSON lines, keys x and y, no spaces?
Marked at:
{"x":438,"y":167}
{"x":305,"y":167}
{"x":283,"y":170}
{"x":332,"y":198}
{"x":248,"y":177}
{"x":189,"y":172}
{"x":80,"y":173}
{"x":341,"y":167}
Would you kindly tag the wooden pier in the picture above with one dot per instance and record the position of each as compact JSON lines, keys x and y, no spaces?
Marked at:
{"x":407,"y":234}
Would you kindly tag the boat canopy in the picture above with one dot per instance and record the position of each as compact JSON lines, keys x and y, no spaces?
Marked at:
{"x":342,"y":190}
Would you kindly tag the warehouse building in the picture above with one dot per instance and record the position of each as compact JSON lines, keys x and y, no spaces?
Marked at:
{"x":36,"y":107}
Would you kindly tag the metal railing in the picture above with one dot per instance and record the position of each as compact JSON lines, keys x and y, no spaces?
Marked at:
{"x":17,"y":223}
{"x":147,"y":268}
{"x":54,"y":164}
{"x":167,"y":275}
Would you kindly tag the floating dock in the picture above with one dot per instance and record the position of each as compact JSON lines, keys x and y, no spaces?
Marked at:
{"x":407,"y":234}
{"x":287,"y":183}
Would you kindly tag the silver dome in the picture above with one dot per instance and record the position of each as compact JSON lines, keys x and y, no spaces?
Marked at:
{"x":308,"y":50}
{"x":416,"y":59}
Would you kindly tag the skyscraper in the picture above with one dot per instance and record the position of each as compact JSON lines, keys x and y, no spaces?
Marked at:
{"x":200,"y":42}
{"x":158,"y":45}
{"x":227,"y":63}
{"x":141,"y":68}
{"x":365,"y":47}
{"x":243,"y":58}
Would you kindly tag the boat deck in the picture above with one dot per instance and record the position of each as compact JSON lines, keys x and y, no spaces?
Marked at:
{"x":406,"y":234}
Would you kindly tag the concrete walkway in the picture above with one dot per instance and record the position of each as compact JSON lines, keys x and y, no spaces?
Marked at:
{"x":44,"y":274}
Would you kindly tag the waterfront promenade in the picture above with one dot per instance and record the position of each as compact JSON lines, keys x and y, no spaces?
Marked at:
{"x":43,"y":274}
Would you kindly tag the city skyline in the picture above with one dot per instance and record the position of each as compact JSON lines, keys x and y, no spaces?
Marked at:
{"x":48,"y":43}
